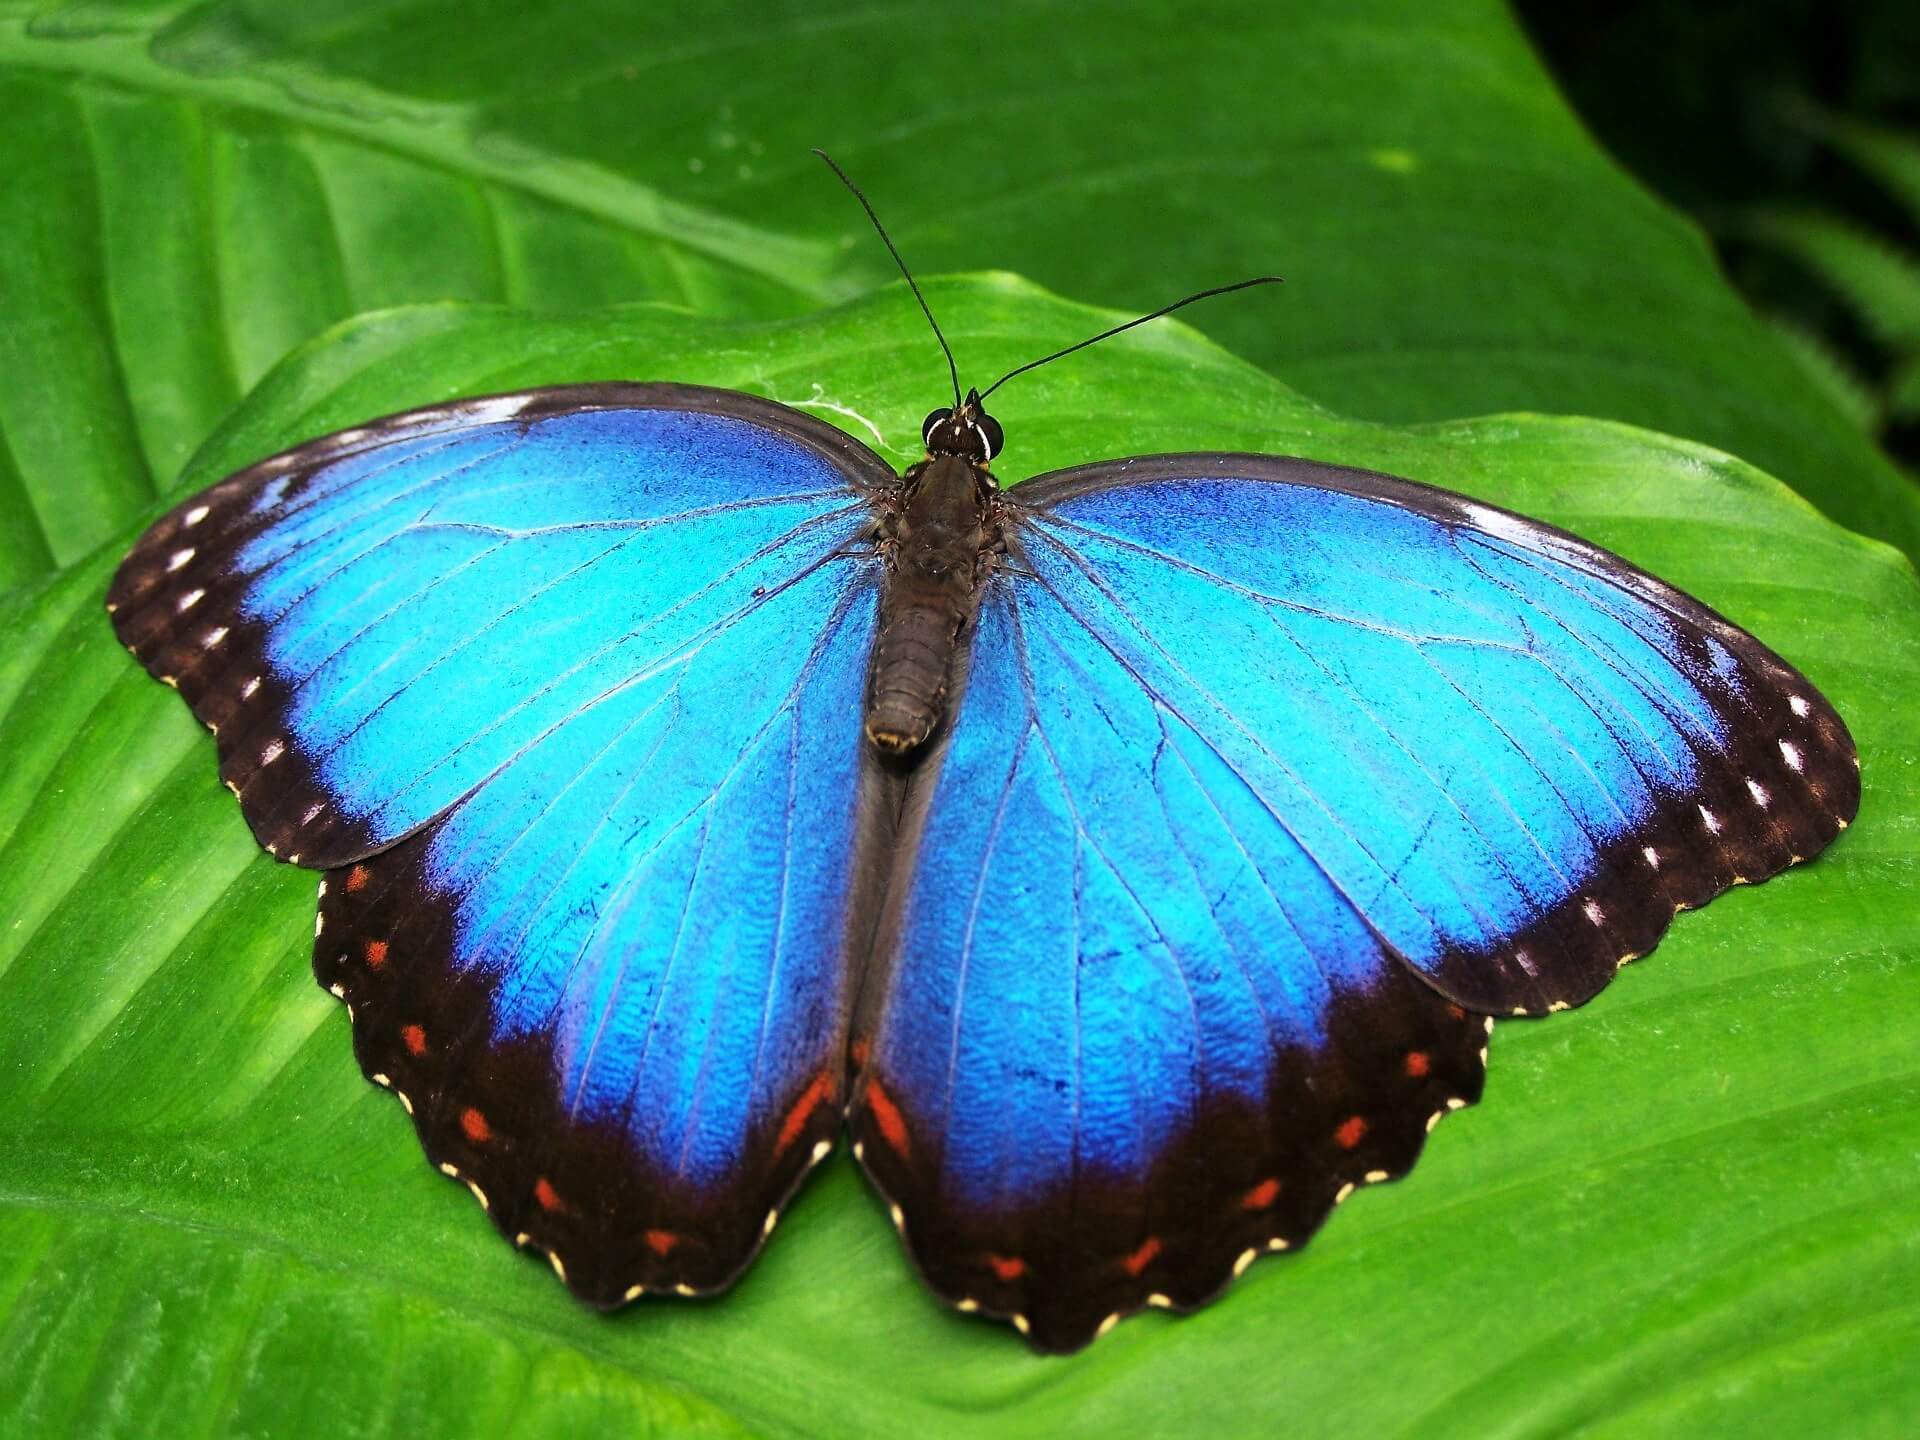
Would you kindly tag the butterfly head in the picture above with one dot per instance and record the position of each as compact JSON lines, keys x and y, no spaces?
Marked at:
{"x":966,"y":431}
{"x":969,"y":431}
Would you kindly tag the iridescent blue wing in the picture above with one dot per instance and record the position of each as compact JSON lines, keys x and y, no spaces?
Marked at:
{"x":373,"y":623}
{"x":1270,"y":782}
{"x":563,"y":689}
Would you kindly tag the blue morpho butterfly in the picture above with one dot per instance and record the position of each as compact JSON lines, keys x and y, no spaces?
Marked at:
{"x":1131,"y":861}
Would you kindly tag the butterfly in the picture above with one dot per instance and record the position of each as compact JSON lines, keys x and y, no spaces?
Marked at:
{"x":1131,"y":861}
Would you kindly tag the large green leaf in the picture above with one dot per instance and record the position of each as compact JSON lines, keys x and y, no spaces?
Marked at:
{"x":171,"y":233}
{"x":1689,"y":1207}
{"x":193,"y":188}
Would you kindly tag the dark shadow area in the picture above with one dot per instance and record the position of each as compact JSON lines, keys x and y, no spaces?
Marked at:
{"x":1790,"y":130}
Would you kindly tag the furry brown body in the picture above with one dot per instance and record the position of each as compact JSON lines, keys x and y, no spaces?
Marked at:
{"x":937,"y":544}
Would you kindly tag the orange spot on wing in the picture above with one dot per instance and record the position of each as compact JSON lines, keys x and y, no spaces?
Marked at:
{"x":475,"y":1124}
{"x":376,"y":953}
{"x":886,"y":1115}
{"x":414,"y":1038}
{"x":1261,"y":1195}
{"x":811,"y":1099}
{"x":1417,"y":1063}
{"x":1143,"y":1257}
{"x":357,"y":878}
{"x":1457,"y":1012}
{"x":546,"y":1196}
{"x":661,"y":1241}
{"x":860,"y":1050}
{"x":1007,"y":1267}
{"x":1351,"y":1132}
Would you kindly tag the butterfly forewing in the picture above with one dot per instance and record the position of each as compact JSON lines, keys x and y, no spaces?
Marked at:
{"x":376,"y":622}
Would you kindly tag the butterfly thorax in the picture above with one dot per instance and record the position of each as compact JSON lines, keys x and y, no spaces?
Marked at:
{"x":934,"y":537}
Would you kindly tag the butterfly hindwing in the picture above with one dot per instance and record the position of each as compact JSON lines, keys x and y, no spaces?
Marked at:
{"x":1126,"y":1044}
{"x":1269,"y":782}
{"x":612,"y":984}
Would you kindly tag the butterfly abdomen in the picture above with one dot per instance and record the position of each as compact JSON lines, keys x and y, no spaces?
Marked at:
{"x":933,"y":549}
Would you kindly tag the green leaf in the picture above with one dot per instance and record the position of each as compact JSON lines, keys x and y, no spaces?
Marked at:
{"x":1829,"y":370}
{"x":1889,"y":155}
{"x":1903,"y":390}
{"x":173,"y":229}
{"x":1688,"y":1207}
{"x":1870,"y":274}
{"x":194,"y":188}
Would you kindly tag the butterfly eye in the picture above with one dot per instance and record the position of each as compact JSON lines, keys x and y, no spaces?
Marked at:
{"x":932,"y":422}
{"x":989,"y":430}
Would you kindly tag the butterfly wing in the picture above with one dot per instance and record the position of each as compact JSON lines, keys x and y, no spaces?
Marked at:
{"x":612,"y":984}
{"x":564,"y":689}
{"x":372,"y":624}
{"x":1270,"y":781}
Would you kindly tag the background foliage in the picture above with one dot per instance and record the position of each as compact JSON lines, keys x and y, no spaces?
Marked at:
{"x":1802,"y":161}
{"x":1689,"y":1207}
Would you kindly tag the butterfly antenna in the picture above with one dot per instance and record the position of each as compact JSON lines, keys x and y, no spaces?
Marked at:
{"x":953,"y":370}
{"x":1109,"y":334}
